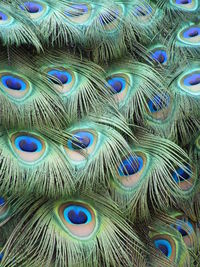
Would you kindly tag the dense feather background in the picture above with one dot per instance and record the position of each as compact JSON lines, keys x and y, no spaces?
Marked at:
{"x":99,"y":133}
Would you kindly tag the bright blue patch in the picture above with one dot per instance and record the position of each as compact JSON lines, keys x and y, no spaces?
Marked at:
{"x":75,"y":214}
{"x":13,"y":83}
{"x":142,"y":10}
{"x":32,"y":7}
{"x":158,"y":103}
{"x":3,"y":16}
{"x":85,"y":140}
{"x":28,"y":144}
{"x":63,"y":76}
{"x":181,"y":175}
{"x":130,"y":166}
{"x":108,"y":17}
{"x":164,"y":246}
{"x":183,"y":2}
{"x":193,"y":79}
{"x":1,"y":256}
{"x":76,"y":10}
{"x":160,"y":56}
{"x":182,"y":231}
{"x":191,"y":32}
{"x":117,"y":84}
{"x":2,"y":201}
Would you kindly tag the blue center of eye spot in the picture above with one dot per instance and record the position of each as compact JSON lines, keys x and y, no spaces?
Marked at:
{"x":193,"y":79}
{"x":76,"y":10}
{"x":158,"y":103}
{"x":182,"y":231}
{"x":2,"y":201}
{"x":191,"y":32}
{"x":57,"y":75}
{"x":183,"y":2}
{"x":28,"y":144}
{"x":164,"y":246}
{"x":142,"y":10}
{"x":182,"y":175}
{"x":31,"y":7}
{"x":160,"y":56}
{"x":130,"y":165}
{"x":75,"y":214}
{"x":84,"y":140}
{"x":3,"y":16}
{"x":117,"y":84}
{"x":13,"y":83}
{"x":1,"y":256}
{"x":108,"y":17}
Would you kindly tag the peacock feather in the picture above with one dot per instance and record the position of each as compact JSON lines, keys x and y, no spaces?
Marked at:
{"x":99,"y":133}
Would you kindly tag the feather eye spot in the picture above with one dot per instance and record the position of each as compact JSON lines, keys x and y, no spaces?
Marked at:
{"x":130,"y":171}
{"x":164,"y":246}
{"x":14,"y":86}
{"x":62,"y":79}
{"x":190,"y":35}
{"x":75,"y":214}
{"x":77,"y":10}
{"x":28,"y":144}
{"x":32,"y":7}
{"x":117,"y":84}
{"x":183,"y":2}
{"x":13,"y":83}
{"x":190,"y":82}
{"x":183,"y":176}
{"x":81,"y":145}
{"x":5,"y":19}
{"x":187,"y":5}
{"x":78,"y":218}
{"x":84,"y":140}
{"x":160,"y":56}
{"x":183,"y":231}
{"x":159,"y":107}
{"x":158,"y":103}
{"x":3,"y":16}
{"x":4,"y":209}
{"x":28,"y":147}
{"x":142,"y":11}
{"x":2,"y":201}
{"x":108,"y":17}
{"x":78,"y":13}
{"x":35,"y":9}
{"x":193,"y":79}
{"x":1,"y":256}
{"x":130,"y":165}
{"x":186,"y":229}
{"x":193,"y":32}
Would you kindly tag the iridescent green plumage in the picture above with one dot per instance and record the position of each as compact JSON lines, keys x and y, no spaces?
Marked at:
{"x":99,"y":133}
